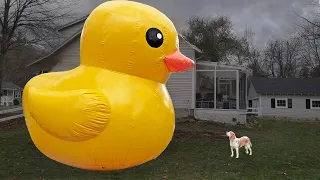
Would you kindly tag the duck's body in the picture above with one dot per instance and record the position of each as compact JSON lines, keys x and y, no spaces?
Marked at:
{"x":126,"y":139}
{"x":113,"y":111}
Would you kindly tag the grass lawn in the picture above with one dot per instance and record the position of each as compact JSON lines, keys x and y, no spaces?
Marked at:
{"x":281,"y":150}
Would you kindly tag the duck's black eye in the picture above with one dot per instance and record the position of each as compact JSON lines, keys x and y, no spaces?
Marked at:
{"x":154,"y":37}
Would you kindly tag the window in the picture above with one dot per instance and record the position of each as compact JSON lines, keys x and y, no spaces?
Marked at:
{"x":250,"y":104}
{"x":281,"y":103}
{"x":4,"y":93}
{"x":289,"y":103}
{"x":315,"y":103}
{"x":17,"y":94}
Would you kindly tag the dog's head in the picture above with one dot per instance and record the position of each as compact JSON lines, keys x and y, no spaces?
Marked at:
{"x":230,"y":134}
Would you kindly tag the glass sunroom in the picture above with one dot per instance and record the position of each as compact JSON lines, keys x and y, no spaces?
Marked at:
{"x":221,"y":91}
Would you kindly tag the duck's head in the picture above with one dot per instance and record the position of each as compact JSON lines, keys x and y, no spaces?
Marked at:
{"x":132,"y":38}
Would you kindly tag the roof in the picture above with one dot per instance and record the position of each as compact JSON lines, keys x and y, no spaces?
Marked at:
{"x":10,"y":86}
{"x":78,"y":33}
{"x":83,"y":18}
{"x":226,"y":66}
{"x":285,"y":86}
{"x":193,"y":46}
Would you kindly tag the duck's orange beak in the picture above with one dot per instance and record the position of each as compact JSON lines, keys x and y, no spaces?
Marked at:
{"x":177,"y":62}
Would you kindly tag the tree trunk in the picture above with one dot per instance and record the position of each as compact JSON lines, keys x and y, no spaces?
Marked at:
{"x":1,"y":75}
{"x":2,"y":64}
{"x":1,"y":71}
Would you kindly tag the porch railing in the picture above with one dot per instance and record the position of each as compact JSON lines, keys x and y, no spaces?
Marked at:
{"x":219,"y":105}
{"x":254,"y":111}
{"x":205,"y":104}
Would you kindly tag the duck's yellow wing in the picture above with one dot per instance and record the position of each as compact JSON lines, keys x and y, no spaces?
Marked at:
{"x":76,"y":115}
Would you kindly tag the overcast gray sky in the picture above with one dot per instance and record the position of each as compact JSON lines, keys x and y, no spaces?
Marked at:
{"x":268,"y":18}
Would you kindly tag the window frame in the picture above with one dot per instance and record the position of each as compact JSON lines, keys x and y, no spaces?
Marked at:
{"x":4,"y":92}
{"x":17,"y":94}
{"x":311,"y":107}
{"x":281,"y":107}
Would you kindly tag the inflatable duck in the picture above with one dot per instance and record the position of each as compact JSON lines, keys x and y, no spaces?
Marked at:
{"x":113,"y":111}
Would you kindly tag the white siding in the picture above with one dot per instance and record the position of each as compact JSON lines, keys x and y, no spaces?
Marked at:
{"x":255,"y":103}
{"x":298,"y":110}
{"x":69,"y":56}
{"x":252,"y":92}
{"x":180,"y":84}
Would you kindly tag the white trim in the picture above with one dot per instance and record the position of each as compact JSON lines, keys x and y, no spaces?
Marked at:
{"x":227,"y":70}
{"x":253,"y":98}
{"x":281,"y":107}
{"x":237,"y":91}
{"x":311,"y":103}
{"x":209,"y":63}
{"x":194,"y":87}
{"x":220,"y":109}
{"x":246,"y":90}
{"x":215,"y":88}
{"x":260,"y":105}
{"x":191,"y":45}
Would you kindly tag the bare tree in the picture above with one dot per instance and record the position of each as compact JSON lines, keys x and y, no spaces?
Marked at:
{"x":15,"y":71}
{"x":283,"y":57}
{"x":28,"y":22}
{"x":250,"y":56}
{"x":310,"y":54}
{"x":310,"y":34}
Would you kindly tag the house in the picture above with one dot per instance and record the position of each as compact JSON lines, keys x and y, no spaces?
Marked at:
{"x":9,"y":92}
{"x":291,"y":97}
{"x":231,"y":81}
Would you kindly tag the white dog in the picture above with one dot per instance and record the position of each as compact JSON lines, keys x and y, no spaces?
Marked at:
{"x":236,"y":143}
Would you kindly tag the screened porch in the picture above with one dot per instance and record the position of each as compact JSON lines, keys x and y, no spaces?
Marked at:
{"x":221,"y":87}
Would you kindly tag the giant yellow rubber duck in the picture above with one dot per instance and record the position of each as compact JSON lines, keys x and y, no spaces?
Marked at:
{"x":113,"y":111}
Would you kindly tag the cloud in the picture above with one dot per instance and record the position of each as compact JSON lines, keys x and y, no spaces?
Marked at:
{"x":268,"y":18}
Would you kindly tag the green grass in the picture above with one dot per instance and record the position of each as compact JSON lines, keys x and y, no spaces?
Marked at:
{"x":281,"y":150}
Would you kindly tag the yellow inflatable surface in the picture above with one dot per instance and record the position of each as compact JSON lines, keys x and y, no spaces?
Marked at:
{"x":113,"y":111}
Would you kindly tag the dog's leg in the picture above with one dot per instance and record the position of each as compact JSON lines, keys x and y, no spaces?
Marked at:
{"x":231,"y":151}
{"x":237,"y":152}
{"x":247,"y":152}
{"x":250,"y":149}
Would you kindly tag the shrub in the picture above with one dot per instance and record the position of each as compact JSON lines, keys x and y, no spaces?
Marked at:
{"x":16,"y":102}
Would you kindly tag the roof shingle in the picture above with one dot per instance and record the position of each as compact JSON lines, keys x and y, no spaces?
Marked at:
{"x":10,"y":86}
{"x":310,"y":86}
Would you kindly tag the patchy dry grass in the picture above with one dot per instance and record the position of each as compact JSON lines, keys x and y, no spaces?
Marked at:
{"x":199,"y":150}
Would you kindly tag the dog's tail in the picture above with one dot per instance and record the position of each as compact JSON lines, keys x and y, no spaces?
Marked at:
{"x":250,"y":143}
